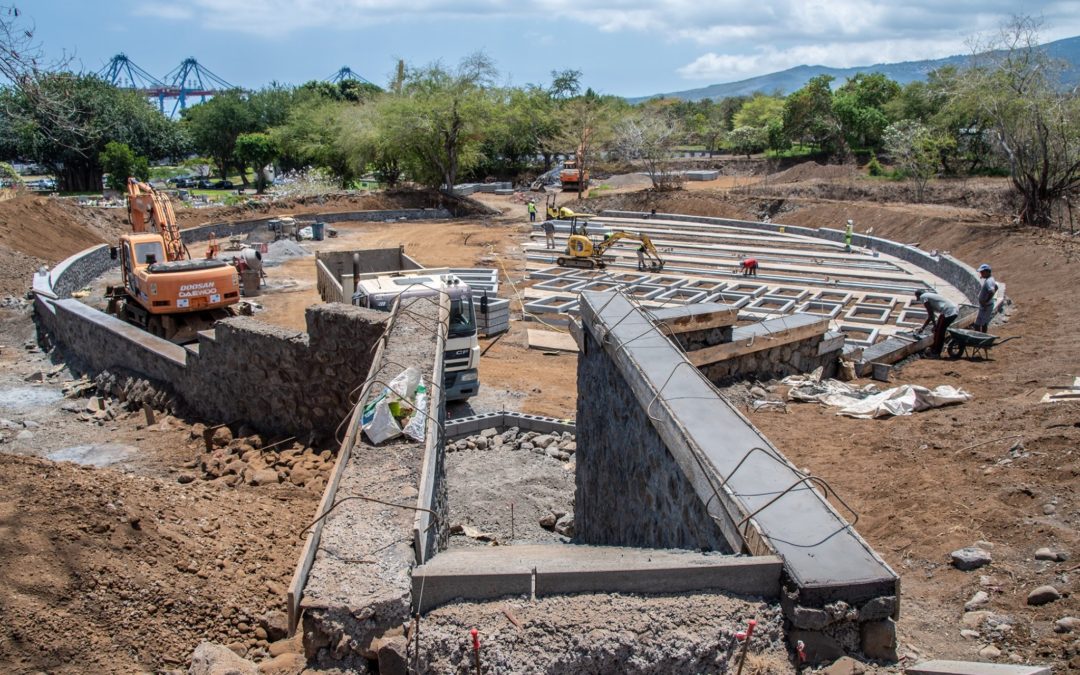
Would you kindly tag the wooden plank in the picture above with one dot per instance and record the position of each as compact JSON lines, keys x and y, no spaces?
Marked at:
{"x":737,"y":347}
{"x":548,"y":340}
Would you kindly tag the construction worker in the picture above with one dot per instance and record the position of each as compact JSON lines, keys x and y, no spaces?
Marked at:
{"x":641,"y":258}
{"x":987,"y":289}
{"x":549,"y":232}
{"x":532,"y":211}
{"x":749,"y":267}
{"x":940,"y":312}
{"x":847,"y":235}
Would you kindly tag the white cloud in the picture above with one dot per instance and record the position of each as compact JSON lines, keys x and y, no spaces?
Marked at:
{"x":739,"y":39}
{"x":161,"y":10}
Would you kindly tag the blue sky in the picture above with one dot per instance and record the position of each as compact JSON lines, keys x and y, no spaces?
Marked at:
{"x":623,"y":47}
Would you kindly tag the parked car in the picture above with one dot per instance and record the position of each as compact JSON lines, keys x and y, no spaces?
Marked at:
{"x":223,"y":185}
{"x":182,"y":181}
{"x":204,"y":184}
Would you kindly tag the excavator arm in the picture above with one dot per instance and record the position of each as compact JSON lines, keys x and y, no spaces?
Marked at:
{"x":646,"y":244}
{"x":151,"y":211}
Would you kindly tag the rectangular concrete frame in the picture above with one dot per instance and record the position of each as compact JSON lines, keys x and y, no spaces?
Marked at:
{"x":644,"y":291}
{"x":549,"y":273}
{"x":561,"y":285}
{"x":941,"y":667}
{"x":790,"y":292}
{"x":629,"y":278}
{"x":911,"y":317}
{"x":599,"y":286}
{"x":773,"y":303}
{"x":832,"y":296}
{"x":682,"y":296}
{"x":706,"y":285}
{"x":868,"y":313}
{"x":879,"y":299}
{"x":708,"y":437}
{"x":753,"y":290}
{"x":859,"y":335}
{"x":733,"y":299}
{"x":820,"y":308}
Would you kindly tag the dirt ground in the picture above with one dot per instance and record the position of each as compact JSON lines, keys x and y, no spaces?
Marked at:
{"x":82,"y":589}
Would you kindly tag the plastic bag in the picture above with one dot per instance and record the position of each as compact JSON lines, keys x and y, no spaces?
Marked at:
{"x":416,"y":426}
{"x":382,"y":425}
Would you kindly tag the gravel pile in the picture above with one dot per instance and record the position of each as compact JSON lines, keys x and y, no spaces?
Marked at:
{"x":558,"y":445}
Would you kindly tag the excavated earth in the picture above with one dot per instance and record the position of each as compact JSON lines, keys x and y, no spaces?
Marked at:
{"x":123,"y":567}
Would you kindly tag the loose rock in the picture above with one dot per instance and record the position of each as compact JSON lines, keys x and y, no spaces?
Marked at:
{"x":1043,"y":595}
{"x":970,"y":558}
{"x":978,"y":600}
{"x":1066,"y":624}
{"x":1047,"y":553}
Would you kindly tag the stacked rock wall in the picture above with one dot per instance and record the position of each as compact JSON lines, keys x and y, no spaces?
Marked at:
{"x":652,"y":505}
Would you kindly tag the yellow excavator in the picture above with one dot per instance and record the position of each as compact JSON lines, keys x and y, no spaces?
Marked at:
{"x":581,"y":252}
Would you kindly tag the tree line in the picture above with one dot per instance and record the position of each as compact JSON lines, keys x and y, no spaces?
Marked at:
{"x":438,"y":125}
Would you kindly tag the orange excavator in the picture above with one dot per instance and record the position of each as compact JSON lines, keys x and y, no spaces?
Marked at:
{"x":164,"y":291}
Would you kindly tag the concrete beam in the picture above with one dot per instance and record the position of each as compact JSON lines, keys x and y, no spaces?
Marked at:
{"x":555,"y":569}
{"x":940,"y":667}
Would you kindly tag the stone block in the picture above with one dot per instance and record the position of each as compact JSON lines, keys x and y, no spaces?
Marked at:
{"x":818,"y":647}
{"x":943,"y":667}
{"x":878,"y":639}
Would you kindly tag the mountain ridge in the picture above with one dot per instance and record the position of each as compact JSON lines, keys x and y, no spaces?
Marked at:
{"x":792,"y":79}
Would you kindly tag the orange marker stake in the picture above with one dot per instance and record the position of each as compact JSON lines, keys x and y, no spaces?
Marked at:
{"x":476,"y":648}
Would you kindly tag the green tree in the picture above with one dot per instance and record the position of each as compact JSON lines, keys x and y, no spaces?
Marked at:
{"x":120,"y":162}
{"x":809,"y":119}
{"x":215,"y":125}
{"x":859,"y":108}
{"x":257,"y":151}
{"x":586,"y":124}
{"x":747,"y":140}
{"x":69,"y":142}
{"x":758,"y":111}
{"x":1034,"y":123}
{"x":441,"y":118}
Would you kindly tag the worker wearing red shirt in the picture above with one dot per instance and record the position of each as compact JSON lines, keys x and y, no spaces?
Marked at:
{"x":749,"y":267}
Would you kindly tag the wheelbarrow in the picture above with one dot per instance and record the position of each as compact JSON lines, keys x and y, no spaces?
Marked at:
{"x":960,"y":342}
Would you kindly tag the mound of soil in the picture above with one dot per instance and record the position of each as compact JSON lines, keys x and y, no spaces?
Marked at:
{"x":399,"y":198}
{"x":813,"y":171}
{"x":37,"y":231}
{"x":104,"y":571}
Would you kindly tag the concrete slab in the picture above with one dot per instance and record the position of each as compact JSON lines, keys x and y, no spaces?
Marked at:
{"x":554,"y":569}
{"x":941,"y":667}
{"x":822,"y":553}
{"x":549,"y":340}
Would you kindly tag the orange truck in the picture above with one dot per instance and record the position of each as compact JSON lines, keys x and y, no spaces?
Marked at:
{"x":164,"y":291}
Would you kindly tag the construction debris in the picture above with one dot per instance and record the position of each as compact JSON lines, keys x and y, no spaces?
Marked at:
{"x":868,"y":401}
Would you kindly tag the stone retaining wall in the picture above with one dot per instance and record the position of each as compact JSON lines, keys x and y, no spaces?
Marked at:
{"x":651,"y":504}
{"x":244,"y":371}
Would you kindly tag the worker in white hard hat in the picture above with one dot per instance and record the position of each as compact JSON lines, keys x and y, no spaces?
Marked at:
{"x":848,"y":231}
{"x":987,"y":289}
